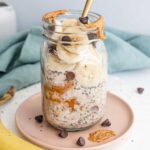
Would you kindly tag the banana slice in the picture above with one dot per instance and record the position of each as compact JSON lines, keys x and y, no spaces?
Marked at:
{"x":95,"y":54}
{"x":57,"y":30}
{"x":77,"y":48}
{"x":79,"y":40}
{"x":69,"y":23}
{"x":58,"y":26}
{"x":75,"y":23}
{"x":89,"y":73}
{"x":66,"y":56}
{"x":55,"y":64}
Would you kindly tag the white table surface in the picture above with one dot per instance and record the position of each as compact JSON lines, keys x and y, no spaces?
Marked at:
{"x":122,"y":84}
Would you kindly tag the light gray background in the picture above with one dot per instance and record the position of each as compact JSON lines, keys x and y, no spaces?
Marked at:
{"x":128,"y":15}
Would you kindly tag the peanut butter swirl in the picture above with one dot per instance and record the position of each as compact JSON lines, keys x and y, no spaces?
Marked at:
{"x":98,"y":24}
{"x":52,"y":15}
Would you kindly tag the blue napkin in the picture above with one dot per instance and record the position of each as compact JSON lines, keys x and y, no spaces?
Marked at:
{"x":20,"y":56}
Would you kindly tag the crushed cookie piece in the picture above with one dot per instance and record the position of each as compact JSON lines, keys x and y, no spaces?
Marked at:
{"x":101,"y":135}
{"x":8,"y":95}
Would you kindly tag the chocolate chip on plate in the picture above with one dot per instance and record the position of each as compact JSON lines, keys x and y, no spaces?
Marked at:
{"x":39,"y":118}
{"x":106,"y":123}
{"x":66,"y":39}
{"x":63,"y":134}
{"x":70,"y":76}
{"x":140,"y":90}
{"x":81,"y":141}
{"x":84,"y":20}
{"x":52,"y":48}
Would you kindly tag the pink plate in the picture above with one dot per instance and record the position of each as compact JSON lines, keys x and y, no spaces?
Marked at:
{"x":118,"y":112}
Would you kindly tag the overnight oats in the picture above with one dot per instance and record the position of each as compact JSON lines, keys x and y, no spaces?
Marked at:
{"x":74,"y":70}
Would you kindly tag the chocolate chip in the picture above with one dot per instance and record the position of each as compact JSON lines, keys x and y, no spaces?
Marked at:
{"x":81,"y":141}
{"x":51,"y":28}
{"x":63,"y":134}
{"x":70,"y":76}
{"x":140,"y":90}
{"x":66,"y":39}
{"x":106,"y":123}
{"x":52,"y":48}
{"x":95,"y":108}
{"x":92,"y":36}
{"x":39,"y":118}
{"x":84,"y":20}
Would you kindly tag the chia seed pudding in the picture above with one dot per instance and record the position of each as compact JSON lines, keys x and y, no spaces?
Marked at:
{"x":73,"y":77}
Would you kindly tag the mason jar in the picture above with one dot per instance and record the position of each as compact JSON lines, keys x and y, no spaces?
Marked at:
{"x":74,"y":73}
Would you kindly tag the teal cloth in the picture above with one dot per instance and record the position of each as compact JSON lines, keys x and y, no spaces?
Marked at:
{"x":20,"y":56}
{"x":19,"y":60}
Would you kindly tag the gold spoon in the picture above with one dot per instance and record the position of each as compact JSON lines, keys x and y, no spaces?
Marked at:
{"x":87,"y":7}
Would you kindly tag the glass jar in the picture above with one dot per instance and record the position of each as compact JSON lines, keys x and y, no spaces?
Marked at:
{"x":74,"y":73}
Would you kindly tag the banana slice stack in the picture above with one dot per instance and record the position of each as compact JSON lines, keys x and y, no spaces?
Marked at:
{"x":77,"y":55}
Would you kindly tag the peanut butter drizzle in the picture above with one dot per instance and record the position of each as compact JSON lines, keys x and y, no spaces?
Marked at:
{"x":52,"y":15}
{"x":99,"y":24}
{"x":62,"y":89}
{"x":71,"y":103}
{"x":101,"y":135}
{"x":51,"y":90}
{"x":59,"y":89}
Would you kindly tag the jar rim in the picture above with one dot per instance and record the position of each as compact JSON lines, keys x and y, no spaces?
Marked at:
{"x":78,"y":13}
{"x":75,"y":14}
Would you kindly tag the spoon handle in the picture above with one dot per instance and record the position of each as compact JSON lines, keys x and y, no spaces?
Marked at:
{"x":87,"y":7}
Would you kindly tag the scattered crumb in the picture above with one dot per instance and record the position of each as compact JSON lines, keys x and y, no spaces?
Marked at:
{"x":29,"y":118}
{"x":41,"y":126}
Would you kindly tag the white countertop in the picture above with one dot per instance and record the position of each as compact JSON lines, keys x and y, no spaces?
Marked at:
{"x":122,"y":84}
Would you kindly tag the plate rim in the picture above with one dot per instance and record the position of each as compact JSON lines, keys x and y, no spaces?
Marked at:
{"x":39,"y":143}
